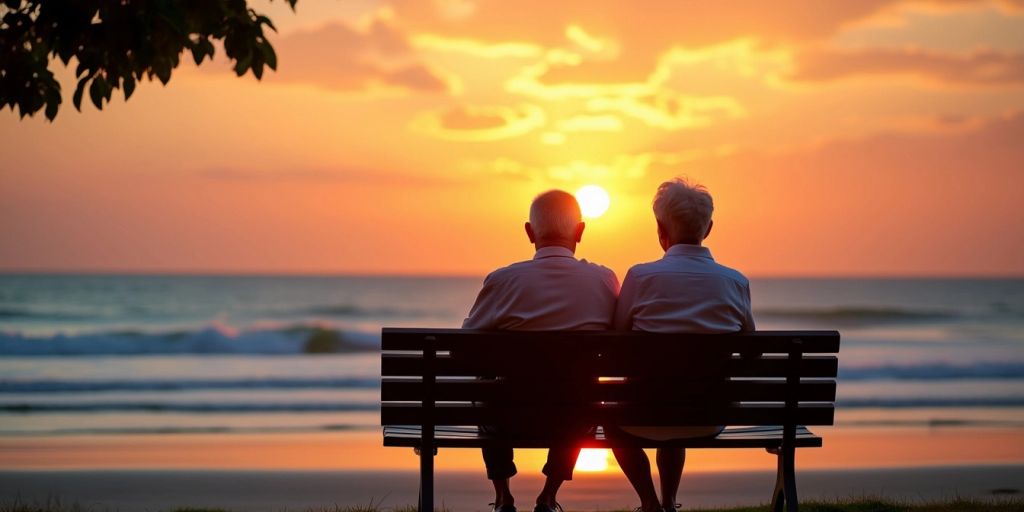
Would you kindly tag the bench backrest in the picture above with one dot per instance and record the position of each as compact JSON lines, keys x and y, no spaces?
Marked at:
{"x":465,"y":377}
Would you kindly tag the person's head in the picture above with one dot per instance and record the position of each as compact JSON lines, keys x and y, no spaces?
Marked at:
{"x":683,"y":211}
{"x":555,"y":219}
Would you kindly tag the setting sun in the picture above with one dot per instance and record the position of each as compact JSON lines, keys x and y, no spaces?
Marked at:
{"x":592,"y":459}
{"x":593,"y":200}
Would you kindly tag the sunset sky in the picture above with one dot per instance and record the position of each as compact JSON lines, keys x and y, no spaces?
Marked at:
{"x":854,"y":137}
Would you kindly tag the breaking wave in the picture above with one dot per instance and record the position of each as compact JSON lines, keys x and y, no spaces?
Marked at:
{"x":211,"y":339}
{"x":847,"y":316}
{"x":934,"y":371}
{"x":104,"y":386}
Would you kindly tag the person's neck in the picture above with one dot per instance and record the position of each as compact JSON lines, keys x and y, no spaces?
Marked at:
{"x":670,"y":244}
{"x":556,"y":243}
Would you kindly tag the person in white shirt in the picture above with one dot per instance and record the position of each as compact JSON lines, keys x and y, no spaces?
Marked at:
{"x":552,"y":291}
{"x":684,"y":291}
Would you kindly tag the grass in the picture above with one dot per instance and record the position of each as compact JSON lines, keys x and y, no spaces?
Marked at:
{"x":1010,"y":504}
{"x":882,"y":505}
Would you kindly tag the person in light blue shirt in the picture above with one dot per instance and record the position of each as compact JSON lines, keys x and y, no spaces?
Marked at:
{"x":551,"y":291}
{"x":684,"y":291}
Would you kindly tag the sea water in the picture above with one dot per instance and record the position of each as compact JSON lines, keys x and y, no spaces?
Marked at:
{"x":107,"y":354}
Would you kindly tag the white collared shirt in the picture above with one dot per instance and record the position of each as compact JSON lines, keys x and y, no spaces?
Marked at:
{"x":685,"y":291}
{"x":553,"y":291}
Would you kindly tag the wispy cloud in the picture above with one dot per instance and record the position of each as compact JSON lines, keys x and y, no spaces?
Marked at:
{"x":324,"y":175}
{"x":980,"y":67}
{"x":480,"y":123}
{"x":371,"y":56}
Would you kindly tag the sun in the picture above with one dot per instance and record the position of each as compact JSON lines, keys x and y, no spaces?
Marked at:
{"x":593,"y":200}
{"x":592,"y":459}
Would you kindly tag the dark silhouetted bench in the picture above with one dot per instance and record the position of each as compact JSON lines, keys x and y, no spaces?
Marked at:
{"x":438,"y":385}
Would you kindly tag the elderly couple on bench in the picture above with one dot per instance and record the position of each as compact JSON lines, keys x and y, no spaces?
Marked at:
{"x":685,"y":291}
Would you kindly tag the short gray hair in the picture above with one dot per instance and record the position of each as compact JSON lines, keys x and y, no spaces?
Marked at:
{"x":684,"y":208}
{"x":554,"y":215}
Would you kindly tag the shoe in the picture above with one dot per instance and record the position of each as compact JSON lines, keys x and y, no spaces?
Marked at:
{"x":659,"y":509}
{"x":672,"y":509}
{"x":545,"y":508}
{"x":503,"y":508}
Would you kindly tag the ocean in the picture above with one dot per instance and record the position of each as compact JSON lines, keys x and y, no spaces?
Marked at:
{"x":135,"y":354}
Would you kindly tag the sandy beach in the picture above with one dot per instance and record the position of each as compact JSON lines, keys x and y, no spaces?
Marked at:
{"x":259,"y":491}
{"x":277,"y":472}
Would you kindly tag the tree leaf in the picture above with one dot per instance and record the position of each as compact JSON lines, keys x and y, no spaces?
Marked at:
{"x":129,"y":87}
{"x":79,"y":90}
{"x":197,"y":53}
{"x":207,"y":47}
{"x":52,"y":104}
{"x":97,"y":91}
{"x":270,"y":56}
{"x":163,"y":72}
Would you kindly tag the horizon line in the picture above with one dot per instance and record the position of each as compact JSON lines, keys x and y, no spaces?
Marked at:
{"x":435,"y":275}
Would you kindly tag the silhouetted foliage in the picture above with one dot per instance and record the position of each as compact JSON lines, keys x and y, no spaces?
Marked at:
{"x":115,"y":43}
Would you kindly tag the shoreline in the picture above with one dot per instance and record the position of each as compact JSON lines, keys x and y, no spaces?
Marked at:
{"x":844,"y":449}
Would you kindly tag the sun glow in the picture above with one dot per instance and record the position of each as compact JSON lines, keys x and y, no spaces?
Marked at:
{"x":593,"y":200}
{"x":592,"y":459}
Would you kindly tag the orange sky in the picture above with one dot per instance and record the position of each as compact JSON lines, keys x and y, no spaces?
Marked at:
{"x":863,"y":137}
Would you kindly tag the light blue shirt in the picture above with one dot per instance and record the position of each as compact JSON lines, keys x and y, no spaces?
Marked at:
{"x":553,"y":291}
{"x":685,"y":291}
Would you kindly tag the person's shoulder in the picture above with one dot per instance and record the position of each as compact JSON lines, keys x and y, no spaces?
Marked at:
{"x":732,"y":274}
{"x":645,"y":269}
{"x":507,"y":272}
{"x":595,"y":268}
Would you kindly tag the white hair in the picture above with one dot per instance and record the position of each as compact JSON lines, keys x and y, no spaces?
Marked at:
{"x":554,"y":215}
{"x":684,"y":208}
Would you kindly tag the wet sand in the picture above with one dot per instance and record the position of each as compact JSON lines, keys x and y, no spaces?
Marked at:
{"x":846,"y":448}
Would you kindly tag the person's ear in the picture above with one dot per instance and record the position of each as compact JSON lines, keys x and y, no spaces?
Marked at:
{"x":663,"y":236}
{"x":530,"y":234}
{"x":578,"y":235}
{"x":708,"y":232}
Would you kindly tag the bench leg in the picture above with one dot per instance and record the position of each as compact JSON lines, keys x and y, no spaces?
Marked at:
{"x":784,"y":495}
{"x":778,"y":496}
{"x":426,"y":480}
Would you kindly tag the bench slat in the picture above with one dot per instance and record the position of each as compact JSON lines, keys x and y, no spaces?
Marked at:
{"x":396,"y":365}
{"x":732,"y":437}
{"x":760,"y":390}
{"x":764,"y":341}
{"x":470,"y":414}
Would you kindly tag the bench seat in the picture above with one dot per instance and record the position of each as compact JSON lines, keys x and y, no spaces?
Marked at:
{"x":769,"y":436}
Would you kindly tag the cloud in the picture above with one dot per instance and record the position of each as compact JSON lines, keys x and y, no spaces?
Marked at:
{"x":323,"y":176}
{"x":602,"y":123}
{"x":626,"y":166}
{"x":477,"y":48}
{"x":903,"y":203}
{"x":480,"y":123}
{"x":370,"y":56}
{"x":671,"y":111}
{"x":651,"y":25}
{"x":625,"y":169}
{"x":631,"y":36}
{"x":981,"y":67}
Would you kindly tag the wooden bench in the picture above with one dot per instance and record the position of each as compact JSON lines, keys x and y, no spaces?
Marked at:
{"x":438,"y":385}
